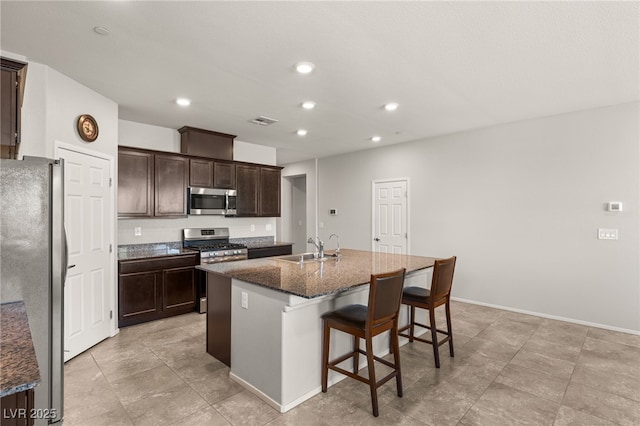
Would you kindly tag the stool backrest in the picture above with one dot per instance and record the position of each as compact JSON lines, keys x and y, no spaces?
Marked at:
{"x":385,"y":295}
{"x":442,"y":278}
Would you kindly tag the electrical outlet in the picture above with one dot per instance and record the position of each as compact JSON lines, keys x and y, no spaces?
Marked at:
{"x":607,"y":234}
{"x":253,"y":228}
{"x":268,"y":227}
{"x":137,"y":231}
{"x":321,"y":225}
{"x":245,"y":300}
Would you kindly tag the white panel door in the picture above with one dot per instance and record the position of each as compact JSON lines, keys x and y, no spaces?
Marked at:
{"x":390,"y":217}
{"x":89,"y":286}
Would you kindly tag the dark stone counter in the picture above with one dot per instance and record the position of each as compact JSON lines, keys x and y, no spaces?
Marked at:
{"x":18,"y":364}
{"x":143,"y":251}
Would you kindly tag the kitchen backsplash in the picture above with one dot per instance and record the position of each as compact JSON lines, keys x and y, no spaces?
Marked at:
{"x":163,"y":230}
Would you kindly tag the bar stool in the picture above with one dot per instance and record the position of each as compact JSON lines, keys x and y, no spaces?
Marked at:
{"x":366,"y":322}
{"x":438,"y":295}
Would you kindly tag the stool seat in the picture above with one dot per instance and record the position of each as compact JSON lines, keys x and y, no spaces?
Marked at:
{"x":351,"y":314}
{"x":417,"y":293}
{"x":366,"y":322}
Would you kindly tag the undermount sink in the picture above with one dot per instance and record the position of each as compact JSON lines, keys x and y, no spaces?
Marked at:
{"x":307,"y":257}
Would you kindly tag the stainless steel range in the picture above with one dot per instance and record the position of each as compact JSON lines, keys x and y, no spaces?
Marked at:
{"x":213,"y":245}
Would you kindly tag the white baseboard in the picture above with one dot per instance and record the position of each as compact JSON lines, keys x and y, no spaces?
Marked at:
{"x":283,"y":408}
{"x":554,"y":317}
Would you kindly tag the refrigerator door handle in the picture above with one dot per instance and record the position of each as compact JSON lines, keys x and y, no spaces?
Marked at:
{"x":65,"y":255}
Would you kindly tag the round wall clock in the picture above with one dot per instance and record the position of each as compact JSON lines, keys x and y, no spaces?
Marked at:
{"x":87,"y":128}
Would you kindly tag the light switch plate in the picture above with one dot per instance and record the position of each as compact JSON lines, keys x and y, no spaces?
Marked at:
{"x":607,"y":234}
{"x":137,"y":231}
{"x":245,"y":300}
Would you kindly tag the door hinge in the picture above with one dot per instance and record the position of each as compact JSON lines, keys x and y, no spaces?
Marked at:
{"x":110,"y":248}
{"x":110,"y":314}
{"x":110,"y":182}
{"x":406,"y":235}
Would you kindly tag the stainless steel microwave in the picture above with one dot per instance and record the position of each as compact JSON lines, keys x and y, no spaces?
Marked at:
{"x":204,"y":201}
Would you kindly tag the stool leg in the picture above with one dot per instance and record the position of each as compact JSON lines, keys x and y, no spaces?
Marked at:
{"x":396,"y":358}
{"x":325,"y":355}
{"x":412,"y":321}
{"x":448,"y":311}
{"x":434,"y":336}
{"x":372,"y":376}
{"x":356,"y":356}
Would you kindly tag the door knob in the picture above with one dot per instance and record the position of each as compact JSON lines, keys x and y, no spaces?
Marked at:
{"x":376,"y":239}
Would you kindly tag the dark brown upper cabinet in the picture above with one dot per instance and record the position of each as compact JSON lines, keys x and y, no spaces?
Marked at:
{"x":201,"y":173}
{"x":206,"y":143}
{"x":258,"y":190}
{"x":11,"y":93}
{"x":269,"y":199}
{"x":154,"y":183}
{"x":135,"y":183}
{"x":224,"y":175}
{"x":212,"y":174}
{"x":151,"y":184}
{"x":171,"y":181}
{"x":247,"y":185}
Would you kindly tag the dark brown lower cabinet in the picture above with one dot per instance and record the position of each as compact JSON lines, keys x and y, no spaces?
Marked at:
{"x":17,"y":409}
{"x":219,"y":317}
{"x":254,"y":253}
{"x":154,"y":288}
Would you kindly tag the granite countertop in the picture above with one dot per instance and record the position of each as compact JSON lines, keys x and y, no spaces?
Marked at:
{"x":318,"y":278}
{"x":18,"y":364}
{"x":142,"y":251}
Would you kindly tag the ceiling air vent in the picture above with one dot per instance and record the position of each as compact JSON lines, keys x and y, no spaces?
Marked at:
{"x":263,"y":121}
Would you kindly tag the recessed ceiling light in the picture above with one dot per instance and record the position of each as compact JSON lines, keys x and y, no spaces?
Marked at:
{"x":376,"y":139}
{"x":101,"y":30}
{"x":301,"y":132}
{"x":308,"y":105}
{"x":391,"y":106}
{"x":304,"y":67}
{"x":183,"y":101}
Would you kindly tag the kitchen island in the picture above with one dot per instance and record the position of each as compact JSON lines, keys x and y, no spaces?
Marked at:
{"x":274,"y":307}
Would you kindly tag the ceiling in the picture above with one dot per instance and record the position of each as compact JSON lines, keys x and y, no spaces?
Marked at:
{"x":451,"y":66}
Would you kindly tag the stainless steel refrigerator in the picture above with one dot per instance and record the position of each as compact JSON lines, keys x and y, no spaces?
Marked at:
{"x":33,"y":263}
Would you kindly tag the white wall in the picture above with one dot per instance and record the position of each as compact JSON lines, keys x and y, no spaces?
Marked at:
{"x":146,"y":136}
{"x":519,"y":204}
{"x":52,"y":104}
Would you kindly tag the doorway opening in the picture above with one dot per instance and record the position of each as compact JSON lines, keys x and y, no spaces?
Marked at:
{"x":294,"y":223}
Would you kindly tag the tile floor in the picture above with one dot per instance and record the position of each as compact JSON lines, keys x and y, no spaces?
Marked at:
{"x":509,"y":369}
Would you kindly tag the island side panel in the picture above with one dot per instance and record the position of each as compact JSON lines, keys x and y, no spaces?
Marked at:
{"x":256,"y":339}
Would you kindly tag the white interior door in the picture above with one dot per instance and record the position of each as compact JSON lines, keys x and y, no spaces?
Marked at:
{"x":88,"y":291}
{"x":390,"y":216}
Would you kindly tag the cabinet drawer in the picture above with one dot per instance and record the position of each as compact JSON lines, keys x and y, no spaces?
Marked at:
{"x":156,"y":264}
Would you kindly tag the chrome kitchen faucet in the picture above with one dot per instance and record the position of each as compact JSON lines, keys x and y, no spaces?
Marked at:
{"x":319,"y":246}
{"x":337,"y":252}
